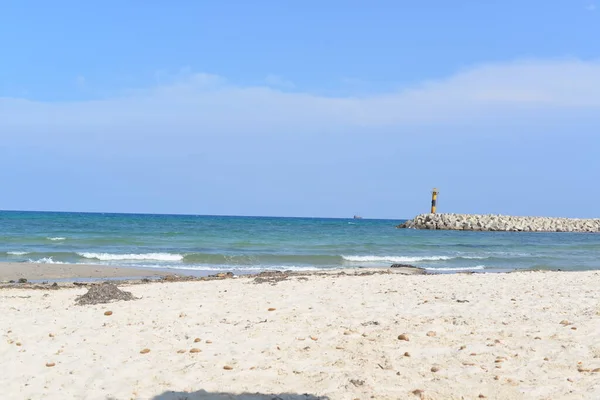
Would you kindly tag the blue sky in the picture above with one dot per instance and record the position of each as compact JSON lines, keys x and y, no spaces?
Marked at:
{"x":308,"y":108}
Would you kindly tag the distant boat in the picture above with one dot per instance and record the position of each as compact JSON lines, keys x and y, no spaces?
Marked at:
{"x":357,"y":217}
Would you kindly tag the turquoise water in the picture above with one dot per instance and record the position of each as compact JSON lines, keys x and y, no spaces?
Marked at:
{"x":245,"y":244}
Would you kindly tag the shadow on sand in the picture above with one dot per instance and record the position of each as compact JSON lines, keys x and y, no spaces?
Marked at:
{"x":203,"y":395}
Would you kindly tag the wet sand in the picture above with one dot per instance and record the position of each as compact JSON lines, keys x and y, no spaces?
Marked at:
{"x":33,"y":271}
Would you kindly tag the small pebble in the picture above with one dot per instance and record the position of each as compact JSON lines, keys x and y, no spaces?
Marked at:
{"x":431,"y":333}
{"x":546,"y":359}
{"x":569,"y":379}
{"x":473,"y":354}
{"x":435,"y":369}
{"x":227,"y":368}
{"x":209,"y":342}
{"x":537,"y":338}
{"x":107,"y":313}
{"x":314,"y":338}
{"x":481,"y":396}
{"x":417,"y":392}
{"x":18,"y":344}
{"x":180,"y":351}
{"x":462,"y":347}
{"x":51,"y":335}
{"x":50,"y":365}
{"x":403,"y":337}
{"x":197,"y":340}
{"x":565,"y":322}
{"x":407,"y":354}
{"x":145,"y":351}
{"x":195,"y":350}
{"x":574,"y":328}
{"x":339,"y":348}
{"x":271,"y":309}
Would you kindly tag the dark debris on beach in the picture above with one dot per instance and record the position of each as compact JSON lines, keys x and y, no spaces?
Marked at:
{"x":102,"y":294}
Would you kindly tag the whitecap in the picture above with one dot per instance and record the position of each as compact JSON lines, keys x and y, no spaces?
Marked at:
{"x":45,"y":260}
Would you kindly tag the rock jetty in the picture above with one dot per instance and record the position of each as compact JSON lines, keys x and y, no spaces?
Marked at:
{"x":467,"y":222}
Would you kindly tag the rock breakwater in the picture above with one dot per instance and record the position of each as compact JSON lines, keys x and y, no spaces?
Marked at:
{"x":468,"y":222}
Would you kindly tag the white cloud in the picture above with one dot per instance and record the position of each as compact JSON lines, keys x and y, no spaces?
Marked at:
{"x":278,"y":81}
{"x":207,"y":104}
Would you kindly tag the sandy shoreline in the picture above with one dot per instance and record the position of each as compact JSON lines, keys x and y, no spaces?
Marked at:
{"x":32,"y":271}
{"x":73,"y":272}
{"x":526,"y":335}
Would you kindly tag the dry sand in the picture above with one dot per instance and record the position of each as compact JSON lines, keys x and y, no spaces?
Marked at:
{"x":33,"y":271}
{"x":529,"y":335}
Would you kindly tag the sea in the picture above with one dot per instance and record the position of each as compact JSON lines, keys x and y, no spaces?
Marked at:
{"x":200,"y":244}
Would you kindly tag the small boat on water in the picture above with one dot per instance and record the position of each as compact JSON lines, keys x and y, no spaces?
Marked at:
{"x":357,"y":217}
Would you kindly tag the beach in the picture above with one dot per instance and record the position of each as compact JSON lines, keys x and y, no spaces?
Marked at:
{"x":353,"y":334}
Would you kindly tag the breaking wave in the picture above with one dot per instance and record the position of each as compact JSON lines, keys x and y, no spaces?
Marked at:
{"x":45,"y":260}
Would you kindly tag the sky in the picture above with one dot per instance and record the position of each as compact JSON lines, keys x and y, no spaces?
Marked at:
{"x":300,"y":108}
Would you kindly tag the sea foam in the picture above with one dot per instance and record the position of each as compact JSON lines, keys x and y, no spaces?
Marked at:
{"x":394,"y":259}
{"x":450,"y":269}
{"x":124,"y":257}
{"x":45,"y":260}
{"x":17,"y":253}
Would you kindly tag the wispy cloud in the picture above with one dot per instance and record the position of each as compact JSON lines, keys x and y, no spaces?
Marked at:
{"x":591,"y":7}
{"x":279,"y":82}
{"x":209,"y":103}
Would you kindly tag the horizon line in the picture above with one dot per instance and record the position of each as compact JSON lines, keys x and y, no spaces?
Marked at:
{"x":194,"y":215}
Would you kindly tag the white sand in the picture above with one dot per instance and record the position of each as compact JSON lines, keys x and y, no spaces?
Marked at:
{"x":354,"y":352}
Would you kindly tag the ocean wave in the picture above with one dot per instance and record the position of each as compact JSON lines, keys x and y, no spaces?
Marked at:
{"x":45,"y":260}
{"x":261,"y":259}
{"x":17,"y":253}
{"x":394,"y":259}
{"x":450,"y":269}
{"x":134,"y":257}
{"x":55,"y":239}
